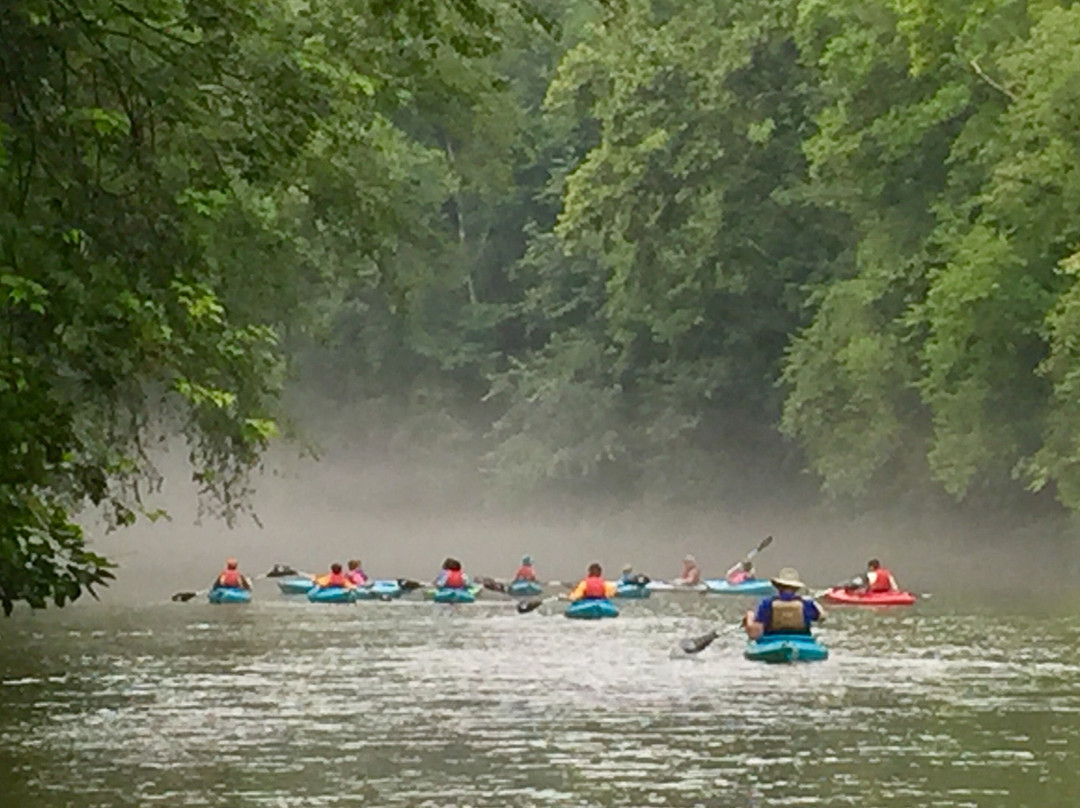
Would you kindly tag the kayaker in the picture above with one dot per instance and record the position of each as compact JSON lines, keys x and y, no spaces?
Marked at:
{"x":525,"y":572}
{"x":741,"y":572}
{"x":356,"y":574}
{"x":691,"y":574}
{"x":593,"y":586}
{"x":627,"y":576}
{"x":451,"y":576}
{"x":785,"y":612}
{"x":879,"y":579}
{"x":334,"y":578}
{"x":231,"y":577}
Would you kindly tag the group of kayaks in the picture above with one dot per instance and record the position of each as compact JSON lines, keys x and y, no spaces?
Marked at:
{"x":782,"y":648}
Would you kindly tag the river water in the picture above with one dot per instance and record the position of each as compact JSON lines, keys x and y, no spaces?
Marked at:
{"x":284,"y":703}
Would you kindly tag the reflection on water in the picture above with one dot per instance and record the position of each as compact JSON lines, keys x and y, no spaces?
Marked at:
{"x":283,"y":703}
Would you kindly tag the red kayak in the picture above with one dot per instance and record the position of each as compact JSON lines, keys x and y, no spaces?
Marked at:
{"x":853,"y":597}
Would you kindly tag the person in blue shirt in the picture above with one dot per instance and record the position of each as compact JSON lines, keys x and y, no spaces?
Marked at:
{"x":628,"y":576}
{"x":785,"y":612}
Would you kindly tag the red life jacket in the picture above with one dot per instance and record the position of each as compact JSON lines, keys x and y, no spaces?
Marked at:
{"x":525,"y":574}
{"x":455,"y":579}
{"x":595,"y":587}
{"x":231,"y":578}
{"x":334,"y":579}
{"x":881,"y":582}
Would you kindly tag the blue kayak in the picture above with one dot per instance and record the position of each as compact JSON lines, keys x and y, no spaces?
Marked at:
{"x":330,"y":594}
{"x":592,"y":609}
{"x":384,"y":589}
{"x":751,"y":586}
{"x":786,"y":648}
{"x":449,"y":595}
{"x":632,"y":591}
{"x":473,"y":589}
{"x":229,"y":594}
{"x":524,"y":589}
{"x":295,"y":586}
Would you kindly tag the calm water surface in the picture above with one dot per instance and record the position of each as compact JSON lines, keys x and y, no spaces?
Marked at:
{"x":284,"y":703}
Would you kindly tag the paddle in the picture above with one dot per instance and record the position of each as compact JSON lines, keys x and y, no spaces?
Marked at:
{"x":408,"y":585}
{"x":493,"y":585}
{"x":695,"y":645}
{"x":764,"y":543}
{"x":858,"y":582}
{"x":526,"y":606}
{"x":282,"y":571}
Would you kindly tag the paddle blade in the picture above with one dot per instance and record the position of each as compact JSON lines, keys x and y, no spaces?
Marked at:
{"x":695,"y":645}
{"x":764,"y":543}
{"x":526,"y":606}
{"x":408,"y":585}
{"x":282,"y":571}
{"x":493,"y":585}
{"x":184,"y":597}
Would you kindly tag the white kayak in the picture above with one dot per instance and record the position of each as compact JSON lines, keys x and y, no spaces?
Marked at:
{"x":667,"y":586}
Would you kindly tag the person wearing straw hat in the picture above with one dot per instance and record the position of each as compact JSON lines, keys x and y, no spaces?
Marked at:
{"x":785,"y":612}
{"x":627,"y":576}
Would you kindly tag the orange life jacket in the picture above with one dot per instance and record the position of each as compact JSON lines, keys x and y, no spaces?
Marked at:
{"x":595,"y":587}
{"x":881,"y":581}
{"x":455,"y":579}
{"x":231,"y":578}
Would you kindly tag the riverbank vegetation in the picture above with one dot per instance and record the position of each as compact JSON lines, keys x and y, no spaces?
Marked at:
{"x":692,"y":247}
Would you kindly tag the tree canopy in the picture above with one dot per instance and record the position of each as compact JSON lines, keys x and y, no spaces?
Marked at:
{"x":638,"y":244}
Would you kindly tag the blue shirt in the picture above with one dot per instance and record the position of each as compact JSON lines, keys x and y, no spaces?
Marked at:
{"x":763,"y":615}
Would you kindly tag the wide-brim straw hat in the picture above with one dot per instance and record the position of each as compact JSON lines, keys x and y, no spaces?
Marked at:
{"x":788,"y":577}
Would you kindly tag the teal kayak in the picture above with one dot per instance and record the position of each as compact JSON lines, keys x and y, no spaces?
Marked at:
{"x":384,"y":589}
{"x":592,"y":609}
{"x":786,"y":648}
{"x":330,"y":594}
{"x":632,"y":591}
{"x":448,"y":595}
{"x":433,"y":594}
{"x":524,"y":589}
{"x":229,"y":594}
{"x":751,"y":586}
{"x":295,"y":586}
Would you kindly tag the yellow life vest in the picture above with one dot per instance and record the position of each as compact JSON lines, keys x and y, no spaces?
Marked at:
{"x":787,"y":617}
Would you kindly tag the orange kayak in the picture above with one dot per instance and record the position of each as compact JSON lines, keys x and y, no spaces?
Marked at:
{"x":853,"y":597}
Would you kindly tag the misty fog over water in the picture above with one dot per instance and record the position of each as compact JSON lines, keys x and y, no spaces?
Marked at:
{"x":401,"y":515}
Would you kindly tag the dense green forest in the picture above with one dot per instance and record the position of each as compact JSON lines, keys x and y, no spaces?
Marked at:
{"x":619,"y":244}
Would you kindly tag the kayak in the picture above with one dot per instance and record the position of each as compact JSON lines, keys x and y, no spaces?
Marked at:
{"x":383,"y":589}
{"x":786,"y":648}
{"x":592,"y":609}
{"x":229,"y":594}
{"x":666,"y":586}
{"x":474,"y":590}
{"x":632,"y":591}
{"x":295,"y":586}
{"x":330,"y":594}
{"x":448,"y":595}
{"x":854,"y":597}
{"x":751,"y":586}
{"x":524,"y":589}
